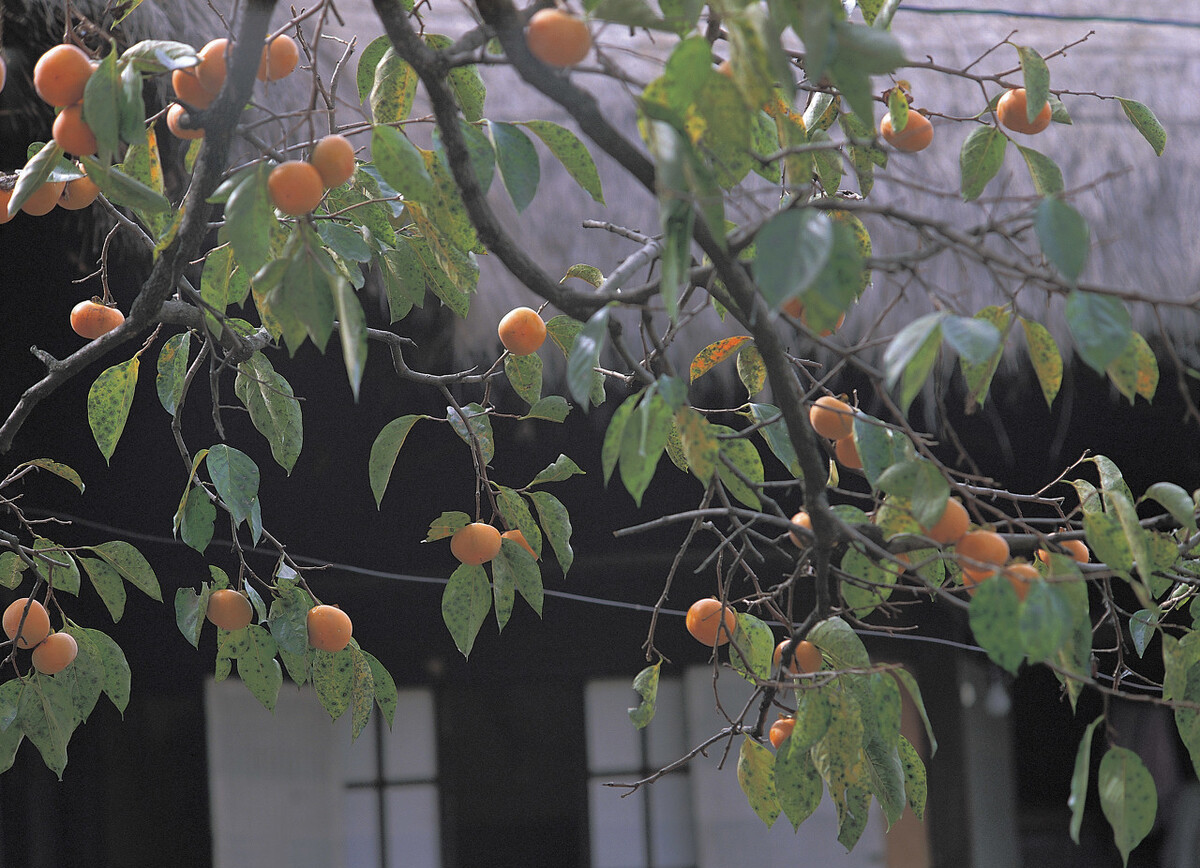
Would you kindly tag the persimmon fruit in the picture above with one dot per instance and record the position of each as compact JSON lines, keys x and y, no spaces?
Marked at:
{"x":705,"y":619}
{"x":980,"y":553}
{"x":5,"y":197}
{"x":190,"y":89}
{"x":803,"y":519}
{"x":1021,"y":575}
{"x":557,"y":38}
{"x":794,"y":308}
{"x":61,"y":74}
{"x":3,"y":72}
{"x":780,"y":730}
{"x":1012,"y":110}
{"x":950,"y":528}
{"x":831,"y":417}
{"x":78,"y":194}
{"x":916,"y":135}
{"x":36,"y":626}
{"x":44,"y":198}
{"x":55,"y":653}
{"x":279,"y":58}
{"x":846,"y":452}
{"x":72,"y":132}
{"x":476,"y":543}
{"x":519,"y":538}
{"x":329,"y":628}
{"x":229,"y":609}
{"x":522,"y":331}
{"x":333,"y":158}
{"x":174,"y":123}
{"x":295,"y":187}
{"x":212,"y":68}
{"x":91,"y":319}
{"x":806,"y":659}
{"x":1077,"y":549}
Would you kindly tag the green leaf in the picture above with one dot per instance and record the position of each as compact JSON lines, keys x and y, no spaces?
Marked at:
{"x":46,"y":716}
{"x":1146,"y":123}
{"x":465,"y":82}
{"x":775,"y":434}
{"x":572,"y":153}
{"x":1176,"y":501}
{"x":273,"y":408}
{"x":715,"y":353}
{"x":1100,"y":326}
{"x":352,"y":332}
{"x":561,"y":469}
{"x":698,"y":443}
{"x":1064,"y":236}
{"x":235,"y":476}
{"x":978,"y":376}
{"x":994,"y":617}
{"x":643,"y":442}
{"x":646,"y":684}
{"x":446,"y":524}
{"x":362,"y":692}
{"x":1128,"y":798}
{"x":190,"y":609}
{"x":333,"y":679}
{"x":552,"y":408}
{"x":838,"y":641}
{"x":922,"y":483}
{"x":465,"y":604}
{"x":790,"y":250}
{"x":914,"y":693}
{"x":797,"y":782}
{"x":1046,"y":358}
{"x":584,"y":356}
{"x":556,"y":524}
{"x":911,"y":354}
{"x":751,"y":370}
{"x":525,"y":376}
{"x":195,"y":520}
{"x":975,"y":340}
{"x":384,"y":451}
{"x":400,"y":164}
{"x":132,"y":566}
{"x":368,"y":62}
{"x":11,"y":569}
{"x":518,"y":162}
{"x":57,"y":565}
{"x":250,"y":219}
{"x":393,"y":85}
{"x":116,"y":668}
{"x":751,"y":648}
{"x":1044,"y":621}
{"x":1044,"y":172}
{"x":742,"y":455}
{"x":473,"y":426}
{"x":108,"y":585}
{"x":1135,"y":371}
{"x":386,"y":695}
{"x":521,"y":569}
{"x":1037,"y":81}
{"x":85,"y":675}
{"x":172,"y":367}
{"x":1079,"y":779}
{"x":980,"y":159}
{"x":108,"y":403}
{"x":1106,"y":538}
{"x":258,"y":668}
{"x":755,"y":774}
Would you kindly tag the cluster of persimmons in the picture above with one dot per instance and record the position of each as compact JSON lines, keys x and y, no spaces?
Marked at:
{"x":27,"y":624}
{"x":916,"y":133}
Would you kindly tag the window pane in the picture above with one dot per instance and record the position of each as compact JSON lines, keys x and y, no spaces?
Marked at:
{"x":412,"y":832}
{"x":672,"y":836}
{"x":617,"y":826}
{"x":611,"y":739}
{"x":360,"y":822}
{"x":665,"y":741}
{"x":410,"y":747}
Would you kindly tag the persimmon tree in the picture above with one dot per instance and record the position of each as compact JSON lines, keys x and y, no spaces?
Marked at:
{"x":759,"y":110}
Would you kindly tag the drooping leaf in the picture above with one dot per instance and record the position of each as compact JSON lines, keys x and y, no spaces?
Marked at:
{"x":108,"y":403}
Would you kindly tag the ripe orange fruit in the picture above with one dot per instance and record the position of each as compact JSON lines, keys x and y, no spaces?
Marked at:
{"x":37,"y":622}
{"x":831,"y":418}
{"x":477,"y":543}
{"x":794,"y":308}
{"x":190,"y":89}
{"x":1019,"y":576}
{"x":333,"y":158}
{"x":846,"y":452}
{"x":5,"y":196}
{"x":557,"y":38}
{"x":56,"y":652}
{"x":806,"y":659}
{"x":60,"y":75}
{"x":980,"y":553}
{"x":950,"y":528}
{"x":44,"y":198}
{"x":1011,"y":110}
{"x":90,"y":319}
{"x":72,"y":133}
{"x":522,"y":331}
{"x":3,"y":72}
{"x":329,"y":628}
{"x":211,"y":69}
{"x":725,"y":68}
{"x":295,"y":187}
{"x":78,"y":194}
{"x":801,"y":518}
{"x":279,"y":58}
{"x":780,"y":730}
{"x":1077,"y":548}
{"x":705,"y":619}
{"x":916,"y":135}
{"x":519,"y":538}
{"x":175,"y":115}
{"x":229,"y":609}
